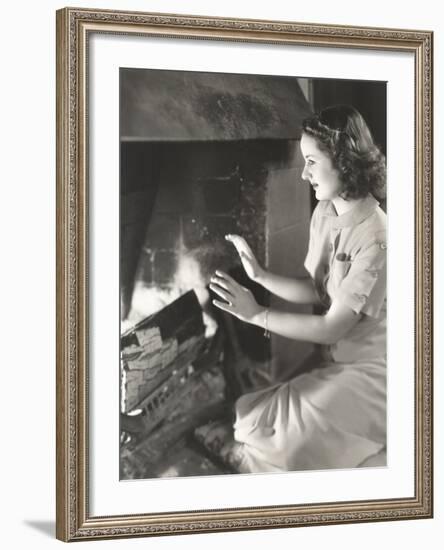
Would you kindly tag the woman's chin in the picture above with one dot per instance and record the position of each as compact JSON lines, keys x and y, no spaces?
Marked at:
{"x":323,"y":196}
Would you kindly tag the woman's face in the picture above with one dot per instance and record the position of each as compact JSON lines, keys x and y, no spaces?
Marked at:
{"x":319,"y":170}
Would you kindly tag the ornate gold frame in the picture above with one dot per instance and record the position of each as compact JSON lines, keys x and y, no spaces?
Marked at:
{"x":73,"y":28}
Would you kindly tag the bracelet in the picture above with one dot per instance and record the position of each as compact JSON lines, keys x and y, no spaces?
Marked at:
{"x":266,"y":331}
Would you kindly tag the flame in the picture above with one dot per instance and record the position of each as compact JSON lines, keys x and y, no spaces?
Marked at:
{"x":147,"y":300}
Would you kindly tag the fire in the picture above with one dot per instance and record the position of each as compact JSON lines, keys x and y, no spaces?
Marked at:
{"x":147,"y":300}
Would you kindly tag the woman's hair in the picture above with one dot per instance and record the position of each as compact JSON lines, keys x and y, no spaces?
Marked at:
{"x":342,"y":133}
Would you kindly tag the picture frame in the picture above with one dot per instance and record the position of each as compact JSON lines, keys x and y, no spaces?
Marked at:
{"x":78,"y":255}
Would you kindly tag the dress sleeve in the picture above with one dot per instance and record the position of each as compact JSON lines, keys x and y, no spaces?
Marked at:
{"x":364,"y":288}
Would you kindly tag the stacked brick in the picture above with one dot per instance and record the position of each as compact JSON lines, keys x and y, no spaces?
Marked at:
{"x":158,"y":348}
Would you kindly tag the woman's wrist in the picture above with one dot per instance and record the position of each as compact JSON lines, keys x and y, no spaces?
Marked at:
{"x":260,"y":319}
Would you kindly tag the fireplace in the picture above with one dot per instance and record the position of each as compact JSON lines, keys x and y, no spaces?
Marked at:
{"x":203,"y":155}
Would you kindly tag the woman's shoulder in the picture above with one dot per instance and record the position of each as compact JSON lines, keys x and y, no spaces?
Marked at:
{"x":371,"y":233}
{"x":377,"y":222}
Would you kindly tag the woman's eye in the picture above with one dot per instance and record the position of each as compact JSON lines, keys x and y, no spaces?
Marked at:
{"x":310,"y":162}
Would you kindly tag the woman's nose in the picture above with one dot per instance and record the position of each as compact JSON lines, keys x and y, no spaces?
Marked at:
{"x":305,"y":173}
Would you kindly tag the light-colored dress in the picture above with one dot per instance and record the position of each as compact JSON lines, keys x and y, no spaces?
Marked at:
{"x":333,"y":416}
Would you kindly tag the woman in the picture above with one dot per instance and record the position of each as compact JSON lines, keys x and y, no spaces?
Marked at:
{"x":335,"y":415}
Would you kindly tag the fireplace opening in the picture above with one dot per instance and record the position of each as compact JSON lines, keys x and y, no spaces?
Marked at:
{"x":195,"y":194}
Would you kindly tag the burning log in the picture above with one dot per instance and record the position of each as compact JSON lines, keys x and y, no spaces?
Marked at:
{"x":157,"y":354}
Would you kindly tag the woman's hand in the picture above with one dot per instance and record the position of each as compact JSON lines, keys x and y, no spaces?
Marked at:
{"x":248,"y":259}
{"x":238,"y":300}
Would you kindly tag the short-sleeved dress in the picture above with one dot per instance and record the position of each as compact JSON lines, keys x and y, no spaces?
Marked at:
{"x":333,"y":416}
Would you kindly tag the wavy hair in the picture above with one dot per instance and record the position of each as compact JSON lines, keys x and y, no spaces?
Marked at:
{"x":342,"y":133}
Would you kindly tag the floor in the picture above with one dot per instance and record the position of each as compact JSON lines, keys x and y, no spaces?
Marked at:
{"x":171,"y":450}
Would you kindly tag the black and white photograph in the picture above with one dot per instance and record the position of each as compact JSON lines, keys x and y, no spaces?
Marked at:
{"x":253,"y":279}
{"x":235,"y":348}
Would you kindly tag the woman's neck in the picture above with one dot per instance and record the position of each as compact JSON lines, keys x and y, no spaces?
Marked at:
{"x":342,"y":206}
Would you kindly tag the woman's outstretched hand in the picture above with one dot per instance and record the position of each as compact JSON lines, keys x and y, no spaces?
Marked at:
{"x":248,"y":259}
{"x":237,"y":300}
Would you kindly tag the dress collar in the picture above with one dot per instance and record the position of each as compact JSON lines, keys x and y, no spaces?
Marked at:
{"x":362,"y":210}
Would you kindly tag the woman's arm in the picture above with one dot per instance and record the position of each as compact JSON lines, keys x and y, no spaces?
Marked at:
{"x":320,"y":329}
{"x":299,"y":291}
